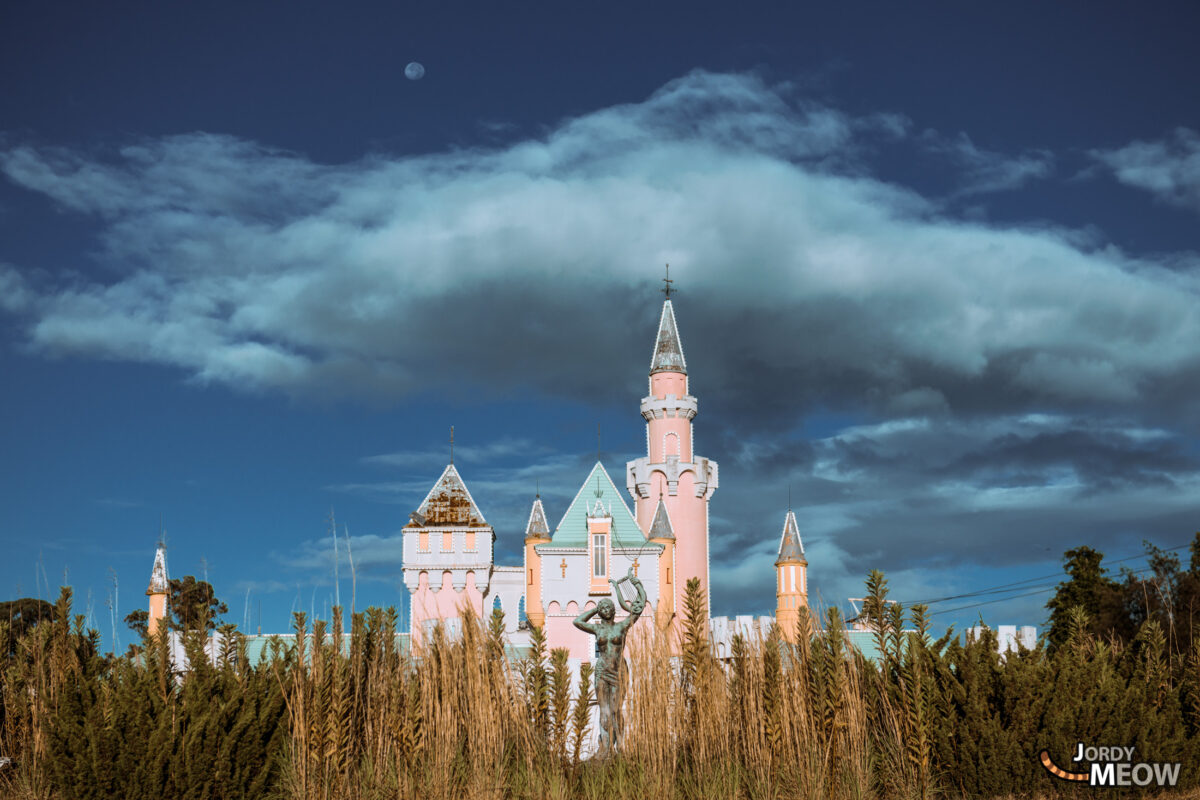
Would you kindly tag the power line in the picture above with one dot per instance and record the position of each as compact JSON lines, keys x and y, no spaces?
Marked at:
{"x":1016,"y":584}
{"x":986,"y":603}
{"x":1040,"y":590}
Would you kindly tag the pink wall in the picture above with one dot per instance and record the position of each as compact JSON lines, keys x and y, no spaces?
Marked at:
{"x":661,"y":385}
{"x":689,"y":514}
{"x":445,"y":603}
{"x":665,"y":383}
{"x":561,"y":632}
{"x":659,"y":428}
{"x":689,"y":518}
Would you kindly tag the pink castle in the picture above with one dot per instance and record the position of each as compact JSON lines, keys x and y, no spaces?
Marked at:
{"x":448,"y":547}
{"x":663,"y":539}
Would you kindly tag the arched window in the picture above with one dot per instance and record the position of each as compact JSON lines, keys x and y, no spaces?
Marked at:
{"x":496,"y":604}
{"x":671,"y":444}
{"x":521,"y":618}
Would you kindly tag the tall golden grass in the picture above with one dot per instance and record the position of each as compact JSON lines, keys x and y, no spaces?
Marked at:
{"x":458,"y":718}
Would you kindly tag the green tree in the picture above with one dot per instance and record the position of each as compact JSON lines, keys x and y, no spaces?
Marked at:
{"x":138,"y":621}
{"x":1089,"y":588}
{"x":21,"y":615}
{"x":1166,"y":594}
{"x":192,"y":605}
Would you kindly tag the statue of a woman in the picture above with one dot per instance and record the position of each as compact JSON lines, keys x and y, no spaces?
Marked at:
{"x":610,"y":644}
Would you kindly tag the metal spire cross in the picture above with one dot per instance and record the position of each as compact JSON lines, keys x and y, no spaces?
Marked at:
{"x":451,"y":444}
{"x":667,"y":283}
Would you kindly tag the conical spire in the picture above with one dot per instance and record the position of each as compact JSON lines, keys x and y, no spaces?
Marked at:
{"x":790,"y":547}
{"x":668,"y":352}
{"x":537,"y":528}
{"x":660,"y":527}
{"x":158,"y":577}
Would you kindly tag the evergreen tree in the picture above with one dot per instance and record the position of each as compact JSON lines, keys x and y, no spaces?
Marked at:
{"x":191,"y":605}
{"x":194,"y":605}
{"x":21,"y":615}
{"x":1089,"y":588}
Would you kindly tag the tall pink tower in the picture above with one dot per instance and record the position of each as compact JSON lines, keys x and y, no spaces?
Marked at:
{"x":671,"y":470}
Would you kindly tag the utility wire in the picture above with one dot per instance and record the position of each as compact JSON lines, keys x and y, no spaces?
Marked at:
{"x":1015,"y":584}
{"x":1040,"y":590}
{"x":986,"y":603}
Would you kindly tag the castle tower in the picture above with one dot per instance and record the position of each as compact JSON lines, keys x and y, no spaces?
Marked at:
{"x":537,"y":531}
{"x":662,"y":533}
{"x":791,"y":578}
{"x":671,"y":470}
{"x":448,"y":548}
{"x":159,"y":588}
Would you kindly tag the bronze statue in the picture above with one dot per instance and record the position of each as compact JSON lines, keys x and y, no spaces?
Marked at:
{"x":610,"y":644}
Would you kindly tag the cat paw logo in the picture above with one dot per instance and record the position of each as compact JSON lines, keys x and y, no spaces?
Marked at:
{"x":1113,"y":766}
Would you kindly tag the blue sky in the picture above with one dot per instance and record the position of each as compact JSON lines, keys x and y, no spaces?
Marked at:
{"x":938,"y":272}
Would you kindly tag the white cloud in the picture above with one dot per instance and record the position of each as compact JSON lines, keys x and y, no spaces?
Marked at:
{"x":262,"y":270}
{"x":985,"y":171}
{"x":15,"y":292}
{"x":507,"y":447}
{"x":1168,"y":168}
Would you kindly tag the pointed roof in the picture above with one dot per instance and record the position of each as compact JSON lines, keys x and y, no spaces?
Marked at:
{"x":668,"y":352}
{"x":537,"y":528}
{"x":158,"y":576}
{"x":449,"y":504}
{"x":661,"y":527}
{"x":791,"y":549}
{"x":572,"y":530}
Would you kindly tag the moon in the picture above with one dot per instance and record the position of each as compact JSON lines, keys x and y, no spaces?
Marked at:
{"x":414,"y":71}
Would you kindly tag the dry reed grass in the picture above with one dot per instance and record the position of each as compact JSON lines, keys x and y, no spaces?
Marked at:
{"x":456,"y":718}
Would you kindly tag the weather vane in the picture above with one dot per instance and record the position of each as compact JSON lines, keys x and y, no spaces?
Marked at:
{"x":667,"y":283}
{"x":451,"y":444}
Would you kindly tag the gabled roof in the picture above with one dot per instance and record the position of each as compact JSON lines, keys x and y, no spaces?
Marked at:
{"x":790,"y":547}
{"x":449,"y":504}
{"x":668,"y":352}
{"x":537,"y":528}
{"x":158,"y":576}
{"x":572,"y":528}
{"x":661,"y":527}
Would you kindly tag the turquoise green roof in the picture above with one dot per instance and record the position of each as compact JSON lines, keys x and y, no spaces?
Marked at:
{"x":864,"y":642}
{"x":572,"y":529}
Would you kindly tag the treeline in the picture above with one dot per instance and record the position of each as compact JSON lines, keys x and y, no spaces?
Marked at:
{"x":327,"y":716}
{"x":1118,"y":608}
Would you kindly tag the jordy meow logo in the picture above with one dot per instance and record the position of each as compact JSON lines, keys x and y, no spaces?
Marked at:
{"x":1113,"y":766}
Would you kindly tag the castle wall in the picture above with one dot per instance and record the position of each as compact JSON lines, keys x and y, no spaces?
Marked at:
{"x":508,"y":583}
{"x":573,"y":586}
{"x":440,"y":600}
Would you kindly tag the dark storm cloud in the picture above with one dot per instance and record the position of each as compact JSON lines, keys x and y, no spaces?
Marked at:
{"x":926,"y":499}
